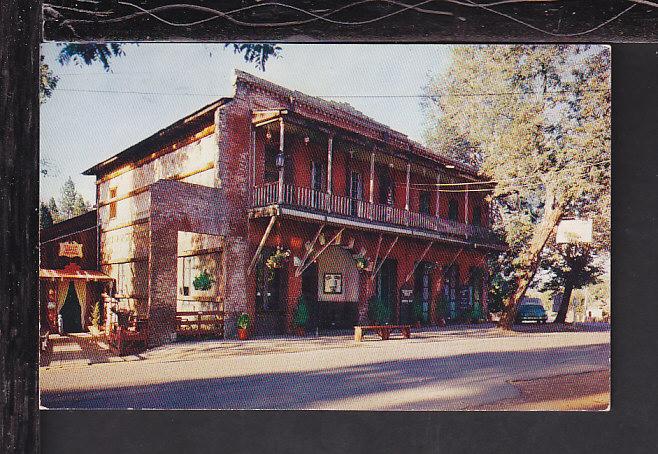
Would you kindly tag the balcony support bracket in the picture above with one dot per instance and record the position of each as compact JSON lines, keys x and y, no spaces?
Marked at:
{"x":309,"y":251}
{"x":261,"y":244}
{"x":390,"y":248}
{"x":420,"y":259}
{"x":301,"y":270}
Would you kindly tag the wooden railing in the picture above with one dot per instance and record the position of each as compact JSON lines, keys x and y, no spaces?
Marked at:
{"x":308,"y":198}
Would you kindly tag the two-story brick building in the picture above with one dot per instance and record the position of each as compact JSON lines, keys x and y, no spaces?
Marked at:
{"x":219,"y":190}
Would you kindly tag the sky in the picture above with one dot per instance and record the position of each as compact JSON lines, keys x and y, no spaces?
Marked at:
{"x":94,"y":114}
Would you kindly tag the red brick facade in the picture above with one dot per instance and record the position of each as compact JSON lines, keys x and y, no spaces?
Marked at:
{"x":353,"y":157}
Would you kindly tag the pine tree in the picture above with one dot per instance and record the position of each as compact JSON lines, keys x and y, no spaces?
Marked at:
{"x":45,"y":218}
{"x":54,"y":210}
{"x":68,"y":199}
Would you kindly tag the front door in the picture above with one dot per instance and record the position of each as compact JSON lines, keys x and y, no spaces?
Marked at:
{"x":317,"y":183}
{"x":71,"y":312}
{"x":450,"y":283}
{"x":387,"y":283}
{"x":422,"y":288}
{"x":310,"y":292}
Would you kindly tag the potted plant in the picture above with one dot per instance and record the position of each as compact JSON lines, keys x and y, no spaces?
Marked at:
{"x":203,"y":281}
{"x":278,"y":258}
{"x":417,"y":312}
{"x":243,"y":326}
{"x":95,"y":328}
{"x":379,"y":310}
{"x":476,"y":313}
{"x":301,"y":316}
{"x":441,"y":310}
{"x":361,"y":262}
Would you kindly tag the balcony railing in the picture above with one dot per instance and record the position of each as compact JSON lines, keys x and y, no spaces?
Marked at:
{"x":309,"y":199}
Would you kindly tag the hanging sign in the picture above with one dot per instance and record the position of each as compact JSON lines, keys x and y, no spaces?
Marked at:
{"x":574,"y":231}
{"x":70,"y":249}
{"x":333,"y":283}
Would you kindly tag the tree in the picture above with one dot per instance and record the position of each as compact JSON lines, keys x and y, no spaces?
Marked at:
{"x":572,"y":267}
{"x":45,"y":218}
{"x":53,"y":209}
{"x":536,"y":119}
{"x":71,"y":203}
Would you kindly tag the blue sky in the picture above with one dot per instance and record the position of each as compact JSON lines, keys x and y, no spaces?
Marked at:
{"x":82,"y":124}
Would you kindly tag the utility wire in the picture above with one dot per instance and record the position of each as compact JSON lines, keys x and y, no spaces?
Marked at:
{"x":422,"y":96}
{"x":507,"y":180}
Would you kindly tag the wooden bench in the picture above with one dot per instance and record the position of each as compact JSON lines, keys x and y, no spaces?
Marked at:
{"x":384,"y":331}
{"x":200,"y":323}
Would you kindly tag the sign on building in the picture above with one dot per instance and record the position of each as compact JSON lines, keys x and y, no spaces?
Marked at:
{"x":70,"y":249}
{"x":333,"y":283}
{"x":574,"y":231}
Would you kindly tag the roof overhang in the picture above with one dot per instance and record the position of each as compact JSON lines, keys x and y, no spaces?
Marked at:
{"x":85,"y":275}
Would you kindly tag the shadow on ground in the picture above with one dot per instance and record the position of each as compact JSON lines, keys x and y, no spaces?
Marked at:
{"x":447,"y":382}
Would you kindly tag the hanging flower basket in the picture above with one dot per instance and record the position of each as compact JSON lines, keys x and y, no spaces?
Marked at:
{"x":278,"y":258}
{"x":361,"y":262}
{"x":203,"y":281}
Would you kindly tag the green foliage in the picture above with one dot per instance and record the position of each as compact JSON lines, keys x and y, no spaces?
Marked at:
{"x":476,"y":312}
{"x":89,"y":53}
{"x":71,"y":203}
{"x":379,"y":310}
{"x":255,"y":52}
{"x":47,"y":81}
{"x":54,"y":210}
{"x":203,"y":281}
{"x":536,"y":119}
{"x":442,"y":306}
{"x":45,"y":217}
{"x":244,"y":321}
{"x":301,"y":315}
{"x":417,"y":310}
{"x":96,"y":315}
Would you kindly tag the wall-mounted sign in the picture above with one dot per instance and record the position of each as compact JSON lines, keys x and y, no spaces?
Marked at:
{"x":333,"y":283}
{"x":70,"y":249}
{"x":574,"y":231}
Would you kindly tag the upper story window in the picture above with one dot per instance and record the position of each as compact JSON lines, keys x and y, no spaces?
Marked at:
{"x":113,"y":203}
{"x":317,"y":175}
{"x":424,"y":202}
{"x":477,"y":215}
{"x":271,"y":173}
{"x":386,"y":192}
{"x":453,"y":210}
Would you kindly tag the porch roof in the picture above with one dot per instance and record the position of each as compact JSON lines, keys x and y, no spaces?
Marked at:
{"x":87,"y":275}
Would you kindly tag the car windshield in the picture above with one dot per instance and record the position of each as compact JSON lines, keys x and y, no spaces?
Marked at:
{"x":533,"y":309}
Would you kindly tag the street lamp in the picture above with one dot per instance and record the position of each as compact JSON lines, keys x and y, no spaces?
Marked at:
{"x":280,"y":160}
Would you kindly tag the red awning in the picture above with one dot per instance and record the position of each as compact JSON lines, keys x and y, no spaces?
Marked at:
{"x":87,"y":275}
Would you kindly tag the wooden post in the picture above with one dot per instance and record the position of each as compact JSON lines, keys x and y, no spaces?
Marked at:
{"x":330,"y":153}
{"x":466,"y":206}
{"x":371,"y":197}
{"x":281,"y":137}
{"x":437,"y":210}
{"x":406,"y":202}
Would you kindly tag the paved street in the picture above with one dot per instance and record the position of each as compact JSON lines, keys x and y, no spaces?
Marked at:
{"x":470,"y":367}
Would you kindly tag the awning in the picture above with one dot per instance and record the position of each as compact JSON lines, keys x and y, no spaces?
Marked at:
{"x":87,"y":275}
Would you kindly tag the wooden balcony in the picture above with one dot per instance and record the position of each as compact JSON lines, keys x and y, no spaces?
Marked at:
{"x":340,"y":207}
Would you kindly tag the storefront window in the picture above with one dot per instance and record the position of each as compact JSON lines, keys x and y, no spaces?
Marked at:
{"x":424,"y":202}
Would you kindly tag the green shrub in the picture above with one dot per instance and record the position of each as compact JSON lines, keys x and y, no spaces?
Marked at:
{"x":379,"y":310}
{"x":244,"y":321}
{"x":442,"y":307}
{"x":417,"y":310}
{"x":203,"y":281}
{"x":476,"y":312}
{"x":301,"y":315}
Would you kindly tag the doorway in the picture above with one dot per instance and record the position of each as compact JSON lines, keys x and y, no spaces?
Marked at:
{"x":450,"y":289}
{"x":310,"y":293}
{"x":422,"y":288}
{"x":387,"y":284}
{"x":71,"y":312}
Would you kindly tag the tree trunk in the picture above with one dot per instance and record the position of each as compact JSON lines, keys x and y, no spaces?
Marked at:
{"x":564,"y":304}
{"x":530,"y":257}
